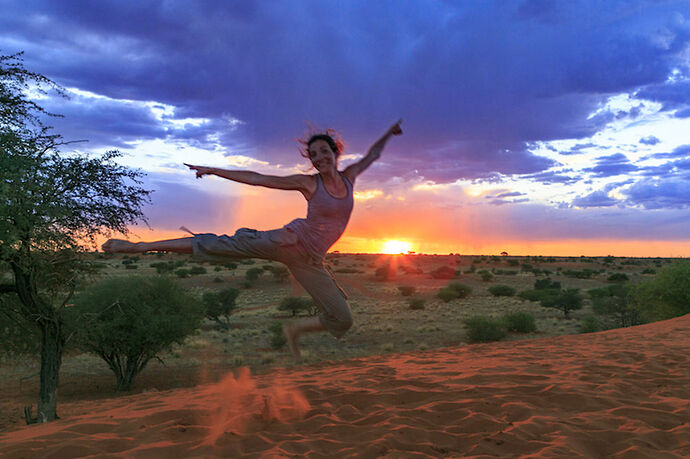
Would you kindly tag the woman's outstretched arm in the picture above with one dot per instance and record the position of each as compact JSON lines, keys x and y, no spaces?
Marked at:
{"x":298,"y":182}
{"x":373,"y":154}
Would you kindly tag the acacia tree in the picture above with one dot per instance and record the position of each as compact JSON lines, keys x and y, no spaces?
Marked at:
{"x":52,"y":208}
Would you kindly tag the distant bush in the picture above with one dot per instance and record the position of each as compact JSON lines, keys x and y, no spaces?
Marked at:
{"x":196,"y":270}
{"x":566,"y":301}
{"x":544,"y":284}
{"x":416,"y":303}
{"x":182,"y":273}
{"x":665,"y":296}
{"x":130,"y":320}
{"x":446,"y":294}
{"x":519,"y":322}
{"x":583,"y":274}
{"x":483,"y":329}
{"x":280,"y":273}
{"x":443,"y":272}
{"x":219,"y":305}
{"x":648,"y":271}
{"x":501,"y":290}
{"x":297,"y":304}
{"x":462,"y":290}
{"x":590,"y":324}
{"x":253,"y":274}
{"x":617,"y":277}
{"x":485,"y":275}
{"x":385,"y":273}
{"x":230,"y":266}
{"x":538,"y":294}
{"x":505,"y":272}
{"x":513,"y":262}
{"x":348,"y":270}
{"x":406,"y":290}
{"x":247,"y":261}
{"x":472,"y":269}
{"x":278,"y":339}
{"x":132,"y":266}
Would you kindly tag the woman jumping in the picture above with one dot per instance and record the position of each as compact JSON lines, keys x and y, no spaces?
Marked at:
{"x":301,"y":244}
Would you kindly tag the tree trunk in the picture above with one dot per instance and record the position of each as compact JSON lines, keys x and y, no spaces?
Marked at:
{"x":51,"y":359}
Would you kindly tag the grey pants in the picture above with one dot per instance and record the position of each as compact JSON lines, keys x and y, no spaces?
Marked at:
{"x":283,"y":245}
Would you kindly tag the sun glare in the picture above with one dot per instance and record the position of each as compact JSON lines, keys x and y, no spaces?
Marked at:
{"x":394,"y":247}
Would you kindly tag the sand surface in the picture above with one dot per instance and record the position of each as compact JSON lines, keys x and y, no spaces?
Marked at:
{"x":619,"y":393}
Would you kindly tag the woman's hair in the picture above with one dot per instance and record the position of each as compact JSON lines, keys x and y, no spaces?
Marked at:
{"x":329,"y":135}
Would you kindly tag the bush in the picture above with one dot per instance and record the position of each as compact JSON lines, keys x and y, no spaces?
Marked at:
{"x":253,"y":274}
{"x":182,"y":273}
{"x":385,"y":273}
{"x":230,"y":266}
{"x":131,"y":266}
{"x":462,"y":290}
{"x":219,"y":305}
{"x":196,"y":270}
{"x":297,"y":304}
{"x":483,"y":329}
{"x":416,"y":303}
{"x":486,"y":275}
{"x":590,"y":324}
{"x":538,"y":295}
{"x":519,"y":322}
{"x":446,"y":294}
{"x":566,"y":301}
{"x":131,"y":320}
{"x":584,"y":274}
{"x":665,"y":296}
{"x":544,"y":284}
{"x":613,"y":300}
{"x":348,"y":271}
{"x":443,"y":272}
{"x":280,"y":273}
{"x":617,"y":277}
{"x":407,"y":290}
{"x":278,"y":339}
{"x":501,"y":290}
{"x":648,"y":271}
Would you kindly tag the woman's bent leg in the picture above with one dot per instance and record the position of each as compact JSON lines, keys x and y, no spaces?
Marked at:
{"x":182,"y":245}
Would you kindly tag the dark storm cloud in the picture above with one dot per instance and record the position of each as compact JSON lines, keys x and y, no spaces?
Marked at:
{"x":607,"y":166}
{"x":492,"y":75}
{"x":649,"y":140}
{"x":681,"y":151}
{"x":671,"y":95}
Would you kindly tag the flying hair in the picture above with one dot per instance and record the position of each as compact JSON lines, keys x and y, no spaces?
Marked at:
{"x":314,"y":133}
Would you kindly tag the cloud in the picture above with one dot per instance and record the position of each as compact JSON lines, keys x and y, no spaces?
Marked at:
{"x":455,"y":72}
{"x":649,"y":140}
{"x":681,"y":151}
{"x":607,"y":166}
{"x":660,"y":194}
{"x":551,"y":177}
{"x":598,"y":198}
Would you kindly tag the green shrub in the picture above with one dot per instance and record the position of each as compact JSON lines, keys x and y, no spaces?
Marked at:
{"x":482,"y":329}
{"x":665,"y":296}
{"x":253,"y":274}
{"x":219,"y":305}
{"x":613,"y":300}
{"x":297,"y":304}
{"x":590,"y":324}
{"x":583,"y":274}
{"x":544,"y":284}
{"x":132,"y":266}
{"x":538,"y":295}
{"x":446,"y":294}
{"x":443,"y":272}
{"x":230,"y":266}
{"x":416,"y":303}
{"x":196,"y":270}
{"x":278,"y":339}
{"x":501,"y":290}
{"x":566,"y":301}
{"x":407,"y":290}
{"x":182,"y":273}
{"x":130,"y":320}
{"x":248,"y":261}
{"x":648,"y":271}
{"x":513,"y":262}
{"x":462,"y":290}
{"x":519,"y":322}
{"x":485,"y":275}
{"x":280,"y":273}
{"x":617,"y":277}
{"x":348,"y":270}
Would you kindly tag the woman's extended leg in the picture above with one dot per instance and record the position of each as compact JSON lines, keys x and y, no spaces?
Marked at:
{"x":182,"y":245}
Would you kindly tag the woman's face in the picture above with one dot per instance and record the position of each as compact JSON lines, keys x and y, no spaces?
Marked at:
{"x":321,"y":155}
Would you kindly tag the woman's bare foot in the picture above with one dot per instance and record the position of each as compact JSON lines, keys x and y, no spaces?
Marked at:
{"x":119,"y":246}
{"x":291,"y":341}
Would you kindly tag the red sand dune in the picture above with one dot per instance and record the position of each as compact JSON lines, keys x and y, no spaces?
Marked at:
{"x":620,"y":393}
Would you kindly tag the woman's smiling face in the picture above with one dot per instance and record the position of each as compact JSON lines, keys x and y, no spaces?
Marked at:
{"x":321,"y":155}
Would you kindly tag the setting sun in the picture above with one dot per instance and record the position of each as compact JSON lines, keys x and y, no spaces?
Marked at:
{"x":393,"y":247}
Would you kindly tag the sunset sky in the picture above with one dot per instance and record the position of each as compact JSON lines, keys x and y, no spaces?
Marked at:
{"x":536,"y":127}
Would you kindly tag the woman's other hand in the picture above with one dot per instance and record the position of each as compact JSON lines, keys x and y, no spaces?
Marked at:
{"x":395,"y":129}
{"x":200,"y":170}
